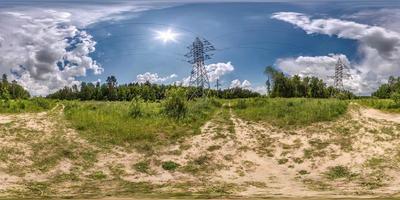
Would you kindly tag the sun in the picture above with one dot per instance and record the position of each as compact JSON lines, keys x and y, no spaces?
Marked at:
{"x":166,"y":36}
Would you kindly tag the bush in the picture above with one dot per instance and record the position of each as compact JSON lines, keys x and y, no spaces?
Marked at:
{"x":396,"y":98}
{"x":135,"y":109}
{"x":41,"y":103}
{"x":170,"y":165}
{"x":175,"y":104}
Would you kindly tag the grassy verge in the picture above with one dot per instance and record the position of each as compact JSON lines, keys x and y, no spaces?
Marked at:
{"x":296,"y":111}
{"x":22,"y":105}
{"x":111,"y":123}
{"x":381,"y":104}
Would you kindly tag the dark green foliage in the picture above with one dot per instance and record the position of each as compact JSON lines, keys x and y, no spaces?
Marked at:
{"x":111,"y":91}
{"x":310,"y":87}
{"x":135,"y":109}
{"x":175,"y":104}
{"x":12,"y":90}
{"x":170,"y":165}
{"x":389,"y":90}
{"x":396,"y":98}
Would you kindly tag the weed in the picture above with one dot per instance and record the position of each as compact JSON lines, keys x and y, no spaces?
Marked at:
{"x":213,"y":147}
{"x":318,"y":144}
{"x":339,"y":171}
{"x":143,"y":167}
{"x":170,"y":165}
{"x":98,"y":175}
{"x":282,"y":161}
{"x":303,"y":172}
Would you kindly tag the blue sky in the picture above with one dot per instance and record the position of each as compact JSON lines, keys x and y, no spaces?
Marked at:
{"x":244,"y":33}
{"x":95,"y":40}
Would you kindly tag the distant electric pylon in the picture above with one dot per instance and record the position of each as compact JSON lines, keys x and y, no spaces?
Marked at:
{"x":217,"y":84}
{"x":196,"y":56}
{"x":339,"y":75}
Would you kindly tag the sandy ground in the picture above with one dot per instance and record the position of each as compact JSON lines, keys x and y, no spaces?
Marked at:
{"x":379,"y":115}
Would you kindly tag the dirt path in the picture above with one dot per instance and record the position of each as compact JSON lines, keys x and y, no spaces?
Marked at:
{"x":379,"y":115}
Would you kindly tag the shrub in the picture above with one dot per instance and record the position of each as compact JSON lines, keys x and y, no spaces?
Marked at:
{"x":170,"y":165}
{"x":339,"y":172}
{"x":42,"y":103}
{"x":135,"y":109}
{"x":175,"y":104}
{"x":396,"y":98}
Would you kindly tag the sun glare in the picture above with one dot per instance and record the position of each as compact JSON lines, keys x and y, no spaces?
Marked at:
{"x":166,"y":36}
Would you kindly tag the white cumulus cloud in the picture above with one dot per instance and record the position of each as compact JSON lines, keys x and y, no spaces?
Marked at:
{"x":379,"y":47}
{"x":239,"y":84}
{"x":216,"y":70}
{"x":153,"y":78}
{"x":45,"y":49}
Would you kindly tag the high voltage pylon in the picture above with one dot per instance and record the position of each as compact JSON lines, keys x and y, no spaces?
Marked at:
{"x":198,"y":53}
{"x":217,"y":84}
{"x":339,"y":75}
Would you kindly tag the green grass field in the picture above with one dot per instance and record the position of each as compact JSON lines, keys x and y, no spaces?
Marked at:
{"x":284,"y":112}
{"x":111,"y":123}
{"x":381,"y":104}
{"x":31,"y":105}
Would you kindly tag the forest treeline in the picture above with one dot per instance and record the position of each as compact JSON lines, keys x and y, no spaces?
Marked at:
{"x":112,"y":91}
{"x":388,"y":90}
{"x":279,"y":85}
{"x":12,"y":90}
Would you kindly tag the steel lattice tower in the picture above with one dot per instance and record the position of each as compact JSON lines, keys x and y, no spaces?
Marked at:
{"x":339,"y":75}
{"x":198,"y":53}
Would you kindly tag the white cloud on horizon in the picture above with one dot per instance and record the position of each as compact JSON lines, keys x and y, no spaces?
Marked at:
{"x":239,"y":84}
{"x":236,"y":83}
{"x":214,"y":71}
{"x":153,"y":78}
{"x":379,"y":47}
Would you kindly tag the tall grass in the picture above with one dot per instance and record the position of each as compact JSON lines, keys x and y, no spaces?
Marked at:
{"x":381,"y":104}
{"x":296,"y":111}
{"x":111,"y":123}
{"x":28,"y":105}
